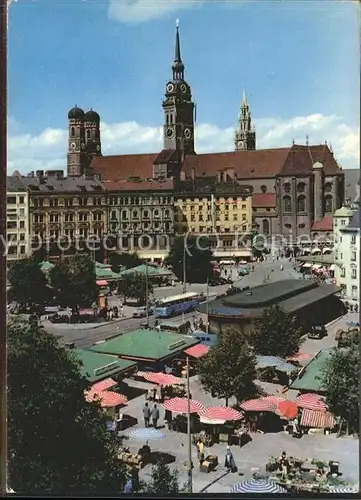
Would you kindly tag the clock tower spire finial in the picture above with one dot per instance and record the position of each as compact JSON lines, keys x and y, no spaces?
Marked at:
{"x":245,"y":136}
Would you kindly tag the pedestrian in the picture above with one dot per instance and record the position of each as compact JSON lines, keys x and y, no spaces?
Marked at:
{"x":110,"y":314}
{"x":146,"y":414}
{"x":157,"y":328}
{"x":281,"y":267}
{"x":122,"y":311}
{"x":154,"y":392}
{"x":168,"y":418}
{"x":155,"y":415}
{"x":128,"y":488}
{"x":200,"y":451}
{"x":229,"y":461}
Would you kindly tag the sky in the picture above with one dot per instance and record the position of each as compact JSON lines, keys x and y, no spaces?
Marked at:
{"x":298,"y":62}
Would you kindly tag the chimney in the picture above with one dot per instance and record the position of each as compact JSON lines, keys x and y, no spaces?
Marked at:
{"x":219,"y":176}
{"x":182,"y":175}
{"x":193,"y":173}
{"x":39,"y":174}
{"x":224,"y":176}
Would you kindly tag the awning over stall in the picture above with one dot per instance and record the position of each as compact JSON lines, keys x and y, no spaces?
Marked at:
{"x":197,"y":351}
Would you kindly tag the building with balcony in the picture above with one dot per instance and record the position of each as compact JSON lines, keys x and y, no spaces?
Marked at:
{"x":141,"y":216}
{"x":65,"y":212}
{"x":347,"y":252}
{"x":17,"y":219}
{"x":221,"y":210}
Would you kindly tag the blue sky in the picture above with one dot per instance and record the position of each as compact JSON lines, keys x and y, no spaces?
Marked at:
{"x":295,"y":60}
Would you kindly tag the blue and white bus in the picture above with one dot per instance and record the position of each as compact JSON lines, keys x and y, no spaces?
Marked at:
{"x":178,"y":304}
{"x":208,"y":339}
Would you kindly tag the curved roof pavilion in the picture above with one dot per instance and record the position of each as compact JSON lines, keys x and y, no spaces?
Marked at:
{"x":290,"y":294}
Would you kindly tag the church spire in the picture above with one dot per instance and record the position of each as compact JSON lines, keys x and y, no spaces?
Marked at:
{"x":244,"y":99}
{"x":245,"y":136}
{"x":178,"y":66}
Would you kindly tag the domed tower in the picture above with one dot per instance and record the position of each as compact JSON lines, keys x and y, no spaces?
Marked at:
{"x":77,"y":157}
{"x":92,"y":134}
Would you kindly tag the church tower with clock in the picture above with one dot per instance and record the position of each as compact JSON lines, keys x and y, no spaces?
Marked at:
{"x":178,"y":129}
{"x":245,"y":136}
{"x":83,"y":142}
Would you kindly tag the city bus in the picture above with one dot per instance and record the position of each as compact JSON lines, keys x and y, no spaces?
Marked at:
{"x":178,"y":304}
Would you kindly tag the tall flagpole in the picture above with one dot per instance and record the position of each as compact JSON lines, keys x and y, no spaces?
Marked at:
{"x":190,"y":465}
{"x":146,"y":294}
{"x":184,"y":266}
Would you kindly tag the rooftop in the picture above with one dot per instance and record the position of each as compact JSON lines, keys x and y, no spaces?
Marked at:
{"x":292,"y":303}
{"x":14,"y":184}
{"x":269,"y":293}
{"x":325,"y":224}
{"x":46,"y":185}
{"x":354,"y":224}
{"x":146,"y":345}
{"x":264,"y":200}
{"x":309,"y":378}
{"x":97,"y":366}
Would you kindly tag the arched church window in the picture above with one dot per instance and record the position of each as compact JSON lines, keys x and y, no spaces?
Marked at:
{"x":301,"y":186}
{"x":264,"y":189}
{"x":72,"y":132}
{"x":287,"y":187}
{"x":328,"y":204}
{"x":171,"y":119}
{"x":265,"y":227}
{"x":301,"y":203}
{"x":287,"y":205}
{"x":167,"y":119}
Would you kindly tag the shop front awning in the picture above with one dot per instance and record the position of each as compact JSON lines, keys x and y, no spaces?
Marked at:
{"x":316,"y":250}
{"x":316,"y":267}
{"x":332,"y":267}
{"x":103,"y":385}
{"x":317,"y":419}
{"x":197,"y":351}
{"x":306,"y":264}
{"x":306,"y":250}
{"x":102,"y":282}
{"x":327,"y":250}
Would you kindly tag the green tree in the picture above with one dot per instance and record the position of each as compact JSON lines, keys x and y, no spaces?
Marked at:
{"x":58,"y":444}
{"x":163,"y":480}
{"x":341,"y":379}
{"x":133,"y":286}
{"x":276,"y":333}
{"x":127,"y":260}
{"x":229,"y":369}
{"x":28,"y":283}
{"x":197,"y":255}
{"x":74,"y":282}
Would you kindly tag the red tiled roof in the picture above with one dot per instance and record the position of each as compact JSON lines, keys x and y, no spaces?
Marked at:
{"x":325,"y":224}
{"x":197,"y":351}
{"x":151,"y":185}
{"x":301,"y":159}
{"x":261,"y":163}
{"x":264,"y":200}
{"x":121,"y":167}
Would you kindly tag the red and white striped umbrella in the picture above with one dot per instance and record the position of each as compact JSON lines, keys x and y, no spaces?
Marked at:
{"x":311,"y":401}
{"x":268,"y":403}
{"x":180,"y":405}
{"x":317,"y":419}
{"x":103,"y":385}
{"x":221,"y":413}
{"x":108,"y":399}
{"x":300,"y":356}
{"x":161,"y":378}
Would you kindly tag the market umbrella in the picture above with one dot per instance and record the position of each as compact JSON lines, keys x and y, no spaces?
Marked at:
{"x":211,"y":421}
{"x":103,"y":385}
{"x":317,"y":419}
{"x":161,"y":378}
{"x":287,"y":409}
{"x":268,"y":403}
{"x":300,"y":356}
{"x":180,"y":405}
{"x":223,"y":413}
{"x":311,"y":401}
{"x":342,"y":488}
{"x":108,"y":399}
{"x":145,"y":434}
{"x":257,"y":486}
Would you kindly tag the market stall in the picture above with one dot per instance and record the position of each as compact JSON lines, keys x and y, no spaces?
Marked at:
{"x":179,"y":406}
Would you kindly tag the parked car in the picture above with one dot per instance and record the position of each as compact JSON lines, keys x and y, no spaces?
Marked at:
{"x":243,"y":271}
{"x":141,"y":312}
{"x":220,"y":281}
{"x":317,"y":332}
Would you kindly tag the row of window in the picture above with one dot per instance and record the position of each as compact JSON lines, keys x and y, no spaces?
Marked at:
{"x":140,"y":200}
{"x":146,"y":214}
{"x":13,"y":200}
{"x":69,"y":202}
{"x":301,"y":187}
{"x":301,"y":204}
{"x":218,"y":229}
{"x":353,"y":256}
{"x":353,"y":273}
{"x":208,"y":217}
{"x":68,"y":217}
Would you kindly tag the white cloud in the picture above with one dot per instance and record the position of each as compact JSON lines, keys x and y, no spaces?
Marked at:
{"x":138,"y":11}
{"x":46,"y":151}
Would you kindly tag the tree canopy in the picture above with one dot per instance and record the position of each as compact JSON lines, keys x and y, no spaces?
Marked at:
{"x":133,"y":286}
{"x":74,"y":282}
{"x":229,"y":369}
{"x":198,"y":257}
{"x":28,"y":283}
{"x":341,"y":379}
{"x":163,"y":480}
{"x":276,"y":333}
{"x":58,"y":444}
{"x":128,"y":260}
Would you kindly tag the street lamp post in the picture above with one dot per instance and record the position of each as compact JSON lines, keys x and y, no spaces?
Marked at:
{"x":190,"y":464}
{"x":184,"y":266}
{"x":146,"y":294}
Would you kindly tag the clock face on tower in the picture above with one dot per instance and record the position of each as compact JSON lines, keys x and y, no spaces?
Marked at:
{"x":169,"y":132}
{"x":73,"y":145}
{"x":187,"y":133}
{"x":98,"y":147}
{"x":183,"y":88}
{"x":240,"y":144}
{"x":170,"y":87}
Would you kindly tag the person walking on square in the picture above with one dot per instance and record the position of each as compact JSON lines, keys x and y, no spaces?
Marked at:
{"x":229,"y":462}
{"x":155,"y":416}
{"x":146,"y":414}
